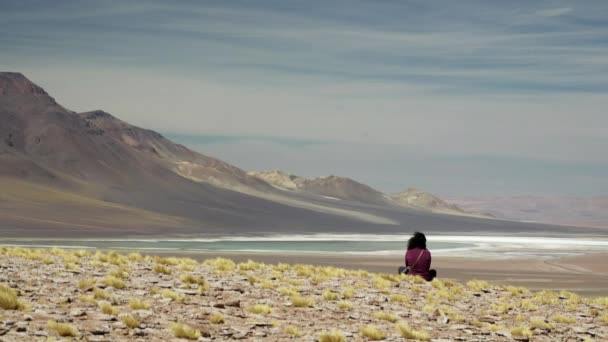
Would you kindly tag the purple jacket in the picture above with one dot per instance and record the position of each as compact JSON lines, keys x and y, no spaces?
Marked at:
{"x":423,"y":265}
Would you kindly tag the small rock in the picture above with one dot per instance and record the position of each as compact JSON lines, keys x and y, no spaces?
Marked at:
{"x":77,"y":313}
{"x":101,"y":330}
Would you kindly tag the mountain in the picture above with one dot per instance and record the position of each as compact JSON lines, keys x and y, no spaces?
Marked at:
{"x":414,"y":198}
{"x":68,"y":174}
{"x":341,"y":188}
{"x":332,"y":187}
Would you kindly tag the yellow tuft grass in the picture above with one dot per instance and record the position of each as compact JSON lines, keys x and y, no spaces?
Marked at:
{"x":406,"y":332}
{"x":330,"y":295}
{"x":221,"y":264}
{"x":527,"y":304}
{"x":289,"y":292}
{"x":253,"y":279}
{"x":522,"y":332}
{"x":203,"y":288}
{"x":84,"y":284}
{"x":88,"y":299}
{"x":292,"y":330}
{"x":62,"y":329}
{"x":260,"y":309}
{"x":386,"y":316}
{"x":174,"y":296}
{"x":70,"y":266}
{"x":9,"y":299}
{"x":604,"y":318}
{"x":344,"y":305}
{"x":216,"y":318}
{"x":130,"y":321}
{"x":332,"y":336}
{"x":372,"y":333}
{"x":119,"y":273}
{"x":293,"y":282}
{"x":559,"y":318}
{"x":138,"y":304}
{"x":185,"y":331}
{"x":478,"y":285}
{"x":162,"y":269}
{"x":282,"y":267}
{"x":114,"y":282}
{"x":303,"y":270}
{"x":190,"y":278}
{"x":541,"y":324}
{"x":100,"y":294}
{"x":250,"y":265}
{"x":397,"y":298}
{"x":267,"y":284}
{"x":348,"y":293}
{"x":108,"y":309}
{"x":302,"y":302}
{"x":135,"y":257}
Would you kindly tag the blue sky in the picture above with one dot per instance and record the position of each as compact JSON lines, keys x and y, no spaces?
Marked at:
{"x":456,"y":97}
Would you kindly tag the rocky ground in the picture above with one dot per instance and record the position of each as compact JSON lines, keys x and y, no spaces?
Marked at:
{"x":62,"y":295}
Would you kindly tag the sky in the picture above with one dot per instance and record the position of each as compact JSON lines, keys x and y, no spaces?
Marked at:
{"x":459,"y":98}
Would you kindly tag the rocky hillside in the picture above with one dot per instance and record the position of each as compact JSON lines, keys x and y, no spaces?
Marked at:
{"x":347,"y":189}
{"x":334,"y":187}
{"x":109,"y":297}
{"x":417,"y":199}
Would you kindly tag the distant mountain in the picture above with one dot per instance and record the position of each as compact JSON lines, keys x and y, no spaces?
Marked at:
{"x":332,"y":187}
{"x":342,"y":188}
{"x":577,"y":211}
{"x":414,"y":198}
{"x":68,"y":174}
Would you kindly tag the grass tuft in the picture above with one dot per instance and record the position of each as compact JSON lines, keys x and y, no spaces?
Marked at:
{"x":522,"y":332}
{"x":114,"y":282}
{"x":100,"y":294}
{"x":344,"y":305}
{"x":130,"y":321}
{"x":372,"y":333}
{"x":108,"y":309}
{"x":185,"y":331}
{"x":216,"y":318}
{"x":292,"y":330}
{"x":541,"y":324}
{"x":397,"y":298}
{"x":190,"y":278}
{"x":332,"y":336}
{"x":302,"y":302}
{"x":559,"y":318}
{"x":406,"y":332}
{"x":162,"y":269}
{"x":174,"y":296}
{"x":62,"y":329}
{"x":330,"y":295}
{"x":84,"y":284}
{"x":9,"y":300}
{"x":260,"y":309}
{"x":385,"y":316}
{"x":478,"y":285}
{"x":138,"y":304}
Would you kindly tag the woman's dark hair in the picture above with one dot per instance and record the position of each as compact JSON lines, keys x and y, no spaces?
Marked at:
{"x":417,"y":241}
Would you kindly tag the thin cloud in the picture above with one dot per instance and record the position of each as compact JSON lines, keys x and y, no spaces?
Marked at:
{"x":554,"y":12}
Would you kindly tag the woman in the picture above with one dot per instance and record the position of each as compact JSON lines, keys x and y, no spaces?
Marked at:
{"x":418,"y":258}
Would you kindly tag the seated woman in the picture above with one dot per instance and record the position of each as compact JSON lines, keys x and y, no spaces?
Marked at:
{"x":418,"y":258}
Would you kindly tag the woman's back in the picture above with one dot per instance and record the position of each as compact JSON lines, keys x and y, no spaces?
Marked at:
{"x":419,"y":262}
